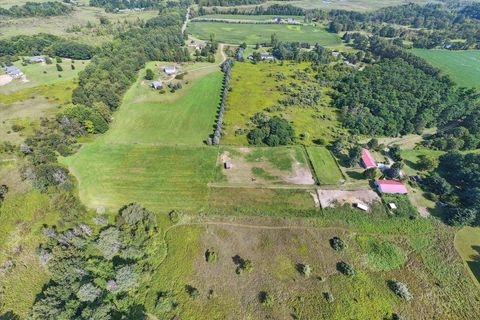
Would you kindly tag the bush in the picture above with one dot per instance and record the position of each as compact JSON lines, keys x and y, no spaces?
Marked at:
{"x":59,"y":68}
{"x":346,"y":268}
{"x":265,"y":298}
{"x":149,"y":74}
{"x":400,"y":289}
{"x":211,"y":255}
{"x":305,"y":270}
{"x":192,"y":291}
{"x":337,"y":244}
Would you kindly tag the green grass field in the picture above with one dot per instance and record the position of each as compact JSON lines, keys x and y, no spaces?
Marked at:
{"x":326,"y":169}
{"x":254,"y":89}
{"x":255,"y":33}
{"x":185,"y":117}
{"x":462,"y":66}
{"x":467,"y":243}
{"x":248,"y":17}
{"x":355,"y":5}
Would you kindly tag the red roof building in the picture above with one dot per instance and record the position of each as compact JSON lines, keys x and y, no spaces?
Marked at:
{"x":390,"y":186}
{"x":367,"y":159}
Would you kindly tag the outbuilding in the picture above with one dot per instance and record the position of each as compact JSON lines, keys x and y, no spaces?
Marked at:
{"x":37,"y":59}
{"x":157,"y":85}
{"x":392,"y":206}
{"x":367,"y":159}
{"x":227,"y":165}
{"x":13,"y":71}
{"x":170,"y":69}
{"x":390,"y":186}
{"x":361,"y":206}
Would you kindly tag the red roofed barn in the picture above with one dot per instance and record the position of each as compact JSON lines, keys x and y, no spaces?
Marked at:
{"x":367,"y":159}
{"x":390,"y":186}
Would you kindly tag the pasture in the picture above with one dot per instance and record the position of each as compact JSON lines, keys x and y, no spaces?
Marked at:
{"x":380,"y":248}
{"x":247,"y":17}
{"x":355,"y":5}
{"x":255,"y":89}
{"x":326,"y":169}
{"x":235,"y":33}
{"x":260,"y":166}
{"x":462,"y":66}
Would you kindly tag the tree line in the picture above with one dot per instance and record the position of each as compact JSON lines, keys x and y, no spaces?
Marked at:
{"x":47,"y":44}
{"x":227,"y":3}
{"x":114,"y":5}
{"x":35,"y":9}
{"x":275,"y":9}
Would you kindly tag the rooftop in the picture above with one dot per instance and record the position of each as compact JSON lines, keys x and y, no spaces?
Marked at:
{"x":367,"y":159}
{"x":391,"y":186}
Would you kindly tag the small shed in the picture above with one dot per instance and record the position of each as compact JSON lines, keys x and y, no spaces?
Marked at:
{"x":392,"y":206}
{"x":227,"y":165}
{"x":37,"y":59}
{"x":157,"y":85}
{"x":361,"y":206}
{"x":13,"y":71}
{"x":170,"y":69}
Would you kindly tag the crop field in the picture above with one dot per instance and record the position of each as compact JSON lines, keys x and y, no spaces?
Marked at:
{"x":326,"y":169}
{"x":258,"y":33}
{"x":467,"y":242}
{"x":248,"y":17}
{"x":462,"y":66}
{"x":254,"y":88}
{"x":417,"y":252}
{"x":61,"y":25}
{"x":282,"y":165}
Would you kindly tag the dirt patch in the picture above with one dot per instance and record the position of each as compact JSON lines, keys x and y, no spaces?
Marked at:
{"x":24,"y":79}
{"x":300,"y":175}
{"x":331,"y":198}
{"x":5,"y":79}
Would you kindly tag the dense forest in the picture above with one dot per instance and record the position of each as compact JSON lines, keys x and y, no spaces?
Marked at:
{"x":45,"y":44}
{"x":394,"y":98}
{"x":34,"y":9}
{"x":96,"y":276}
{"x":225,"y":3}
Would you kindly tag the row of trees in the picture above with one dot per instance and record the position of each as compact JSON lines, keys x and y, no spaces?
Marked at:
{"x":275,"y":9}
{"x":46,"y":44}
{"x":226,"y":67}
{"x":114,"y":5}
{"x":96,"y":276}
{"x":227,"y":3}
{"x":35,"y":9}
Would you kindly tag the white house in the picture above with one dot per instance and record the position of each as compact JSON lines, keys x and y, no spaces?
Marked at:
{"x":170,"y":69}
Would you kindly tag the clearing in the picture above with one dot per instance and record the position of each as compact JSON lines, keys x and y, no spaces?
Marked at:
{"x":255,"y":88}
{"x":463,"y":66}
{"x":235,"y":33}
{"x":467,"y":242}
{"x":261,"y":166}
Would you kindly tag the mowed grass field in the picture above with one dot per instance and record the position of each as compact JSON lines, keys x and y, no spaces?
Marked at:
{"x":258,"y":33}
{"x":254,"y":88}
{"x":249,"y":17}
{"x":326,"y":169}
{"x":355,"y":5}
{"x":462,"y":66}
{"x":154,"y":152}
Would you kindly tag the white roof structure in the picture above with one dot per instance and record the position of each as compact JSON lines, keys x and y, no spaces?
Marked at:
{"x":392,"y":206}
{"x":362,"y":206}
{"x":170,"y":69}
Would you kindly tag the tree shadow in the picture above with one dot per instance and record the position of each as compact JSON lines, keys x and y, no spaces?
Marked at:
{"x":474,"y":264}
{"x":9,"y":315}
{"x":355,"y":175}
{"x":412,"y":165}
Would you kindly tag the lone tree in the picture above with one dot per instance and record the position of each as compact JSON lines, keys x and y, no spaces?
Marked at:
{"x":149,"y":74}
{"x":211,"y":255}
{"x":265,"y":298}
{"x":346,"y":268}
{"x":400,"y":289}
{"x":305,"y":270}
{"x":337,"y":244}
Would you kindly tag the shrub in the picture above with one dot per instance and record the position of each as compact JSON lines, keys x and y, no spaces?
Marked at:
{"x":329,"y":296}
{"x":192,"y":291}
{"x":149,"y":74}
{"x":400,"y":289}
{"x":305,"y":270}
{"x":337,"y":244}
{"x":59,"y":68}
{"x":346,"y":268}
{"x":265,"y":298}
{"x":211,"y":255}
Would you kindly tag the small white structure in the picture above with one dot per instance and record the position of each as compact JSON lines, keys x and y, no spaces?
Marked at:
{"x":157,"y":85}
{"x":13,"y":72}
{"x":37,"y":59}
{"x":392,"y":206}
{"x":227,"y":165}
{"x":170,"y":69}
{"x":361,"y":206}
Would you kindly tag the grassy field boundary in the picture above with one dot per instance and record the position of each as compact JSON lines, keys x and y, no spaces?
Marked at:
{"x":310,"y":165}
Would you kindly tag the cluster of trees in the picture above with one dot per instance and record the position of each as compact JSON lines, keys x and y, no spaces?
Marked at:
{"x":465,"y":136}
{"x":458,"y":185}
{"x":274,"y":9}
{"x":35,"y":9}
{"x":293,"y":51}
{"x":272,"y":132}
{"x":96,"y":276}
{"x":393,"y":98}
{"x":114,"y":5}
{"x":81,"y":119}
{"x":46,"y":44}
{"x":115,"y":67}
{"x":226,"y":67}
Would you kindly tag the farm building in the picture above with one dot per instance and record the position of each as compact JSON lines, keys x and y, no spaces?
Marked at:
{"x":157,"y":85}
{"x":361,"y":206}
{"x":13,"y":72}
{"x":367,"y":159}
{"x":227,"y":165}
{"x":392,"y":206}
{"x":390,"y":186}
{"x":170,"y":69}
{"x":37,"y":59}
{"x":266,"y":56}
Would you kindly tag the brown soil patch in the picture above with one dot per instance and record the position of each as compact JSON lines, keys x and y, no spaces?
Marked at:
{"x":331,"y":198}
{"x":5,"y":79}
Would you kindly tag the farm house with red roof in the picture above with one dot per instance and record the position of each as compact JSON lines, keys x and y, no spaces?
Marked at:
{"x":367,"y":159}
{"x":390,"y":186}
